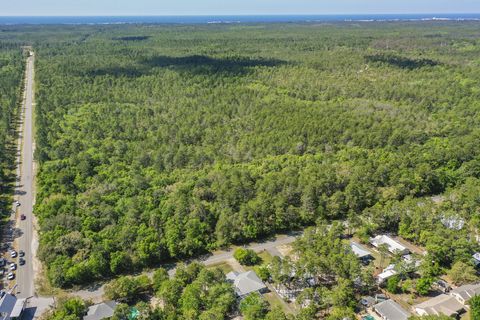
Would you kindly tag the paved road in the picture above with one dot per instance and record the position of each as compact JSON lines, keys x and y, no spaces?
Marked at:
{"x":25,"y":190}
{"x":95,"y":293}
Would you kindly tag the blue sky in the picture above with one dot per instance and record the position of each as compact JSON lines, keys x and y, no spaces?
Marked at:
{"x":219,"y":7}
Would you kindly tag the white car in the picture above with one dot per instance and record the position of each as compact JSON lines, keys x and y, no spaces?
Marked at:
{"x":13,"y":253}
{"x":11,"y":276}
{"x":13,"y":266}
{"x":17,"y":203}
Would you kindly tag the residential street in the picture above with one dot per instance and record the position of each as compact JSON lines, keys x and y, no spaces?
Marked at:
{"x":95,"y":292}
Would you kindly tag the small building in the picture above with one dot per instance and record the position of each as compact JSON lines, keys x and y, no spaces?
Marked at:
{"x":18,"y":309}
{"x":361,"y":252}
{"x":246,"y":283}
{"x":476,"y":259}
{"x":100,"y":311}
{"x":390,"y":310}
{"x":453,"y":223}
{"x":440,"y":305}
{"x":7,"y":303}
{"x":385,"y":275}
{"x":393,"y":245}
{"x":466,"y":292}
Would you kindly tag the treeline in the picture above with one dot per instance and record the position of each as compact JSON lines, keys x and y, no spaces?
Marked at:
{"x":11,"y":75}
{"x":188,"y":139}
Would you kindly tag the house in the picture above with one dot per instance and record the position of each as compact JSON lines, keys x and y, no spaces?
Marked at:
{"x":7,"y":303}
{"x":392,"y":245}
{"x":246,"y":283}
{"x":100,"y":311}
{"x":440,"y":305}
{"x":390,"y":310}
{"x":466,"y":292}
{"x":385,"y":275}
{"x":361,"y":252}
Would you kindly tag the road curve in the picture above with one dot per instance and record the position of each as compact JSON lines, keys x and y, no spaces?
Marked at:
{"x":24,"y":192}
{"x":95,"y":292}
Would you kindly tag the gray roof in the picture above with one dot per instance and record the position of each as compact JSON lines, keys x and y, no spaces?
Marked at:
{"x":101,"y":311}
{"x":6,"y":306}
{"x":441,"y":304}
{"x":359,"y":250}
{"x":246,"y":282}
{"x":390,"y":310}
{"x":467,"y":291}
{"x":18,"y":308}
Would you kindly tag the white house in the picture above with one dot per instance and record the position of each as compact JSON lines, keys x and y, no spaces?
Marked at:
{"x":385,"y":275}
{"x":392,"y":245}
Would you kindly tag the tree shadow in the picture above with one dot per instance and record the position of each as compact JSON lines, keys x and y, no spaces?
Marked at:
{"x":194,"y":64}
{"x":132,"y":38}
{"x":201,"y":64}
{"x":401,"y":62}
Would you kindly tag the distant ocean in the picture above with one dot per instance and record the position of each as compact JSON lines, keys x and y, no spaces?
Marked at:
{"x":232,"y":19}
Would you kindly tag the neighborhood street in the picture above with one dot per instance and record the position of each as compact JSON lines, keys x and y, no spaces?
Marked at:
{"x":95,"y":293}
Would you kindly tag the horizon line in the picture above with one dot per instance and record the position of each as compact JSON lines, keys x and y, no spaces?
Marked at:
{"x":239,"y":14}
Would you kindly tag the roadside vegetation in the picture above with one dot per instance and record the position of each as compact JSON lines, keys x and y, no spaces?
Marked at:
{"x":189,"y":139}
{"x":11,"y":75}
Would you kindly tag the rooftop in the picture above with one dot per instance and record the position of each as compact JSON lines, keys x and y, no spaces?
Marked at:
{"x":246,"y":282}
{"x":442,"y":304}
{"x":359,"y":250}
{"x":101,"y":311}
{"x":391,"y":310}
{"x":393,"y":245}
{"x":467,"y":291}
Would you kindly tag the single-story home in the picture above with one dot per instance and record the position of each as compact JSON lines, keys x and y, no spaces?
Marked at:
{"x":440,"y":305}
{"x":392,"y":245}
{"x":466,"y":292}
{"x":390,"y":310}
{"x":385,"y":275}
{"x":100,"y":311}
{"x":361,"y":252}
{"x":246,"y":283}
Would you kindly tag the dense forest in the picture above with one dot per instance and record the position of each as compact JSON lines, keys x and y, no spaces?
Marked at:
{"x":11,"y":74}
{"x":162,"y":142}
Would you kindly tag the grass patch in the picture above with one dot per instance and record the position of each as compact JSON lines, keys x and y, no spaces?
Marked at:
{"x":265,"y":257}
{"x":224,"y":266}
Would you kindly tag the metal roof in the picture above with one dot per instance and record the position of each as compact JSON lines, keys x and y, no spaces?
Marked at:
{"x":7,"y":303}
{"x":390,"y":310}
{"x":246,"y":282}
{"x":101,"y":311}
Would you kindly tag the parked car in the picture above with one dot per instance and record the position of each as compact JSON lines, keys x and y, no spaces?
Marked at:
{"x":21,"y":253}
{"x":21,"y":261}
{"x":3,"y":262}
{"x":23,"y":217}
{"x":17,"y":203}
{"x":13,"y":266}
{"x":13,"y":253}
{"x":11,"y":276}
{"x":2,"y":272}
